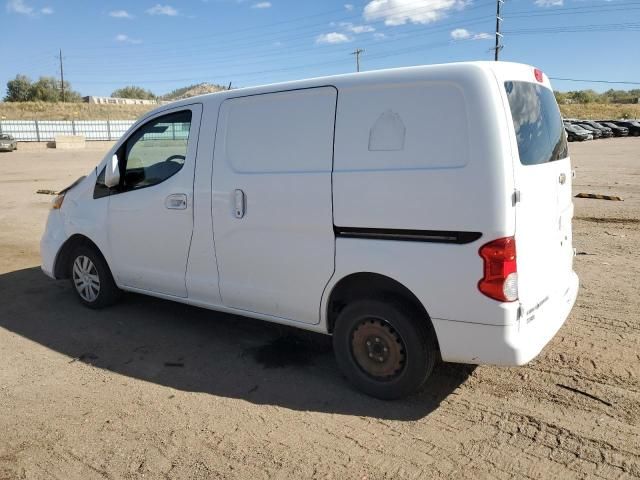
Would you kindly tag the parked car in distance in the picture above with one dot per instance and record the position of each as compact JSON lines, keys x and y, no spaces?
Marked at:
{"x":632,"y":126}
{"x":606,"y":131}
{"x":596,"y":133}
{"x":7,"y":143}
{"x":577,"y":134}
{"x":617,"y":130}
{"x":360,"y":213}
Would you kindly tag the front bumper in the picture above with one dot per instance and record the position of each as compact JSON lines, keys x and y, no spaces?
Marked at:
{"x":507,"y":345}
{"x":52,"y":240}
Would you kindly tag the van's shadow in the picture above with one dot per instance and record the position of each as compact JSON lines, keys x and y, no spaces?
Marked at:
{"x":199,"y":350}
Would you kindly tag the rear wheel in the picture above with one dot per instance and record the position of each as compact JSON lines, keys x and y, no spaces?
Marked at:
{"x":385,"y":348}
{"x":91,"y":278}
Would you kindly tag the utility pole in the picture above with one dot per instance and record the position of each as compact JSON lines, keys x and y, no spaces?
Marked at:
{"x":499,"y":45}
{"x":357,"y":54}
{"x":61,"y":76}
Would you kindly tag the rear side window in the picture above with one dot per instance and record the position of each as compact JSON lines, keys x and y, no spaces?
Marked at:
{"x":537,"y":122}
{"x":279,"y":132}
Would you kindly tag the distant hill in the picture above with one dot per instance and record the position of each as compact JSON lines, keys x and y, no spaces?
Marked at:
{"x":192,"y":91}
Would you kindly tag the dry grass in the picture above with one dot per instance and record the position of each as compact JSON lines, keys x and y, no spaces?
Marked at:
{"x":596,"y":111}
{"x":70,"y":111}
{"x":86,"y":111}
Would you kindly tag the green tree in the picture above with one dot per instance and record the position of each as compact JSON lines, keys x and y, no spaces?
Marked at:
{"x":583,"y":96}
{"x":561,"y":97}
{"x":132,"y":91}
{"x":47,"y":89}
{"x":18,"y":89}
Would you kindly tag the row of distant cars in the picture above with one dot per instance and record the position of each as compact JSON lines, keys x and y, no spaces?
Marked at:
{"x":581,"y":130}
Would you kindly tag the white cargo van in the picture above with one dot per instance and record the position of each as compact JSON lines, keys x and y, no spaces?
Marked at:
{"x":414,"y":214}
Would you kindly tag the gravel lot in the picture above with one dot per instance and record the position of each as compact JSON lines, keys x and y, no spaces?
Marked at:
{"x":87,"y":394}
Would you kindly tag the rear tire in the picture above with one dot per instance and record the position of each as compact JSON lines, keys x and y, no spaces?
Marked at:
{"x":91,"y":278}
{"x":386,"y":349}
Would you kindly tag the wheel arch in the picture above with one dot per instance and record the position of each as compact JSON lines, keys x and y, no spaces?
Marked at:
{"x":62,"y":262}
{"x":370,"y":285}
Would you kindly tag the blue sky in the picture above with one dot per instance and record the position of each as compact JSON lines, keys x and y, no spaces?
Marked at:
{"x":165,"y":45}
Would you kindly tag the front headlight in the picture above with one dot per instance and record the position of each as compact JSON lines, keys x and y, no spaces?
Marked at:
{"x":57,"y":201}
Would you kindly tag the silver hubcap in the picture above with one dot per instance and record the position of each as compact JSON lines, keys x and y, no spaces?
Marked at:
{"x":85,"y":278}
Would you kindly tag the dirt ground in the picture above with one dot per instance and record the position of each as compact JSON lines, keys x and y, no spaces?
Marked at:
{"x":153,"y":389}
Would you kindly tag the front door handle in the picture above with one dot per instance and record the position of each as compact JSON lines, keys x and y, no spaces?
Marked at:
{"x":176,"y":201}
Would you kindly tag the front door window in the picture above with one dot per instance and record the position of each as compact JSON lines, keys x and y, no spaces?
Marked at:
{"x":156,"y":151}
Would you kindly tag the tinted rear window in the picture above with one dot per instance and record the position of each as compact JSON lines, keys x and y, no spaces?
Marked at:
{"x":537,"y":121}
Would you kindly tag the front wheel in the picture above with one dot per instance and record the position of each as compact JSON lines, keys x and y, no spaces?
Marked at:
{"x":91,"y":278}
{"x":385,"y":348}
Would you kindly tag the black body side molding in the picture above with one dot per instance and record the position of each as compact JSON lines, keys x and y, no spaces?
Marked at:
{"x":434,"y":236}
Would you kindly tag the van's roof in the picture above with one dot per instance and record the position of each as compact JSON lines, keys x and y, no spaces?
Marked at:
{"x":502,"y":70}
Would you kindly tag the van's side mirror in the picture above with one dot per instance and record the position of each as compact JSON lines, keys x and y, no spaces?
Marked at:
{"x":112,"y":173}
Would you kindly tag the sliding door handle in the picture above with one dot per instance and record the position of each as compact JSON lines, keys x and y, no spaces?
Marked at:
{"x":239,"y":203}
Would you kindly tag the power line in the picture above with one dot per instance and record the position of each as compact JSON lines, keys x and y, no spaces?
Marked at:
{"x":143,"y":64}
{"x":594,"y":81}
{"x":257,"y":61}
{"x":393,"y":52}
{"x":263,"y":37}
{"x":600,"y":27}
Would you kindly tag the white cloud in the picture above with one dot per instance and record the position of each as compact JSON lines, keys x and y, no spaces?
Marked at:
{"x":549,"y":3}
{"x":464,"y":34}
{"x":379,"y":36}
{"x":158,"y":9}
{"x":460,"y":34}
{"x":348,"y":7}
{"x":399,"y":12}
{"x":18,"y":6}
{"x":357,"y":28}
{"x":483,"y":36}
{"x":122,"y":38}
{"x":120,"y":14}
{"x":333,"y":37}
{"x":261,"y":5}
{"x":22,"y":8}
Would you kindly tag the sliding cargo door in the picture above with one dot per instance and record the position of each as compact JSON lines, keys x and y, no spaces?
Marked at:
{"x":272,"y":213}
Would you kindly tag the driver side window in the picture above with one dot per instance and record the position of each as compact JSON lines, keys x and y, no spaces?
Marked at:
{"x":156,"y":151}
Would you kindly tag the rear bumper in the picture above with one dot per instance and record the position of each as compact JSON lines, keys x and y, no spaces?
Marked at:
{"x":507,"y":345}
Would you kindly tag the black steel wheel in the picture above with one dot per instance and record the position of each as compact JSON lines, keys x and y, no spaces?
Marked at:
{"x":385,"y":348}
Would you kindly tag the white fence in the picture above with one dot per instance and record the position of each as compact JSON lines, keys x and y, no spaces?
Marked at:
{"x":46,"y":130}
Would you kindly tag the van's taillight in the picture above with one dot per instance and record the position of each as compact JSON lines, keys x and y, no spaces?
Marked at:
{"x":500,"y":280}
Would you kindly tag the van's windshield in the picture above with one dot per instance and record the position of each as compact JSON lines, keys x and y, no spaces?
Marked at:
{"x":537,"y":121}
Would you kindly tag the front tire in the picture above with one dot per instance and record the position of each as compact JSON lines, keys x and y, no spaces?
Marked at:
{"x":91,"y":278}
{"x":386,"y":349}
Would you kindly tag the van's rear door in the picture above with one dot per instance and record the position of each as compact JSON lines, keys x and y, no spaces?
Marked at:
{"x":544,"y":208}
